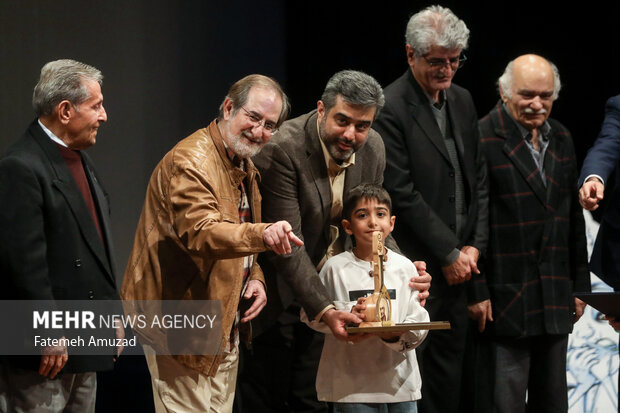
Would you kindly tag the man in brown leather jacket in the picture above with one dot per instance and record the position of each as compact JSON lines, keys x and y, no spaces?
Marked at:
{"x":198,"y":237}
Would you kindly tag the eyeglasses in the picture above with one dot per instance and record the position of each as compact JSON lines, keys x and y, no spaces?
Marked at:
{"x":257,"y":120}
{"x":455,"y":62}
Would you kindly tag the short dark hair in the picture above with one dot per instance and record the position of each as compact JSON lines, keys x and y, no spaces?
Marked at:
{"x":367,"y":192}
{"x":355,"y":88}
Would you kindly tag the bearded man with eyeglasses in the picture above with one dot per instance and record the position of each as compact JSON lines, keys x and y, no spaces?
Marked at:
{"x":437,"y":180}
{"x":198,"y":236}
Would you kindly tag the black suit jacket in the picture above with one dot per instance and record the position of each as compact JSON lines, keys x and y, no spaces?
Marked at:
{"x":295,"y":187}
{"x":49,"y":245}
{"x":537,"y":249}
{"x":602,"y":160}
{"x":420,"y":178}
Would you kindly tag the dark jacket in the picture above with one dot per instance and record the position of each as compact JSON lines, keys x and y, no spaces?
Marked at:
{"x":49,"y":245}
{"x":420,"y":177}
{"x":537,"y":248}
{"x":602,"y":160}
{"x":295,"y":187}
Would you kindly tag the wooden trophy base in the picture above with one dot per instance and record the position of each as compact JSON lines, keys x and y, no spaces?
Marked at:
{"x":376,"y":323}
{"x":371,"y":327}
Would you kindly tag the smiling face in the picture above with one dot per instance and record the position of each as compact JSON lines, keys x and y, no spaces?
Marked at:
{"x":81,"y":122}
{"x":430,"y":75}
{"x":368,"y":216}
{"x":244,"y":131}
{"x":531,"y":94}
{"x":344,"y":128}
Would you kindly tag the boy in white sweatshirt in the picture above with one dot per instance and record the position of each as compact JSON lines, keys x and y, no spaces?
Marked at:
{"x":379,"y":373}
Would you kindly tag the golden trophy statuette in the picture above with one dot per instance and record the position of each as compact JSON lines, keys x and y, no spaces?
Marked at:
{"x":378,"y":305}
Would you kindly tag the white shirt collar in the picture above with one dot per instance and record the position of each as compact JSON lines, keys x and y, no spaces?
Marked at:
{"x":51,"y":134}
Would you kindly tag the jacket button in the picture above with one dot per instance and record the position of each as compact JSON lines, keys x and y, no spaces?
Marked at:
{"x":91,"y":295}
{"x":451,"y":199}
{"x":453,"y":227}
{"x":451,"y":174}
{"x":78,"y":263}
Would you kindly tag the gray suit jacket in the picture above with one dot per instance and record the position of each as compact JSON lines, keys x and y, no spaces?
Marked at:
{"x":295,"y":188}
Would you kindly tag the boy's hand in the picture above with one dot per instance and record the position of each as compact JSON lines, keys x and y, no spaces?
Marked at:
{"x":359,"y":309}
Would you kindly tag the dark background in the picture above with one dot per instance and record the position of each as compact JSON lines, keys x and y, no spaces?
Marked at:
{"x":168,"y":65}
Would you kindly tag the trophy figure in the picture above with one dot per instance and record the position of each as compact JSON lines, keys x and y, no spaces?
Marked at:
{"x":378,"y":305}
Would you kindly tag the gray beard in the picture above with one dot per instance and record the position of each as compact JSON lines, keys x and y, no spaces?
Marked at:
{"x":242,"y":149}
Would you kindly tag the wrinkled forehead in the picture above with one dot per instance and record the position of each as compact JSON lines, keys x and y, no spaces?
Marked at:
{"x":536,"y":78}
{"x":442,"y":52}
{"x":264,"y":101}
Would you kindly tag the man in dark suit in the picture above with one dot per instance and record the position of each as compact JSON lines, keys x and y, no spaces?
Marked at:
{"x":55,"y":237}
{"x":598,"y":167}
{"x":436,"y":178}
{"x":306,"y":169}
{"x":536,"y":256}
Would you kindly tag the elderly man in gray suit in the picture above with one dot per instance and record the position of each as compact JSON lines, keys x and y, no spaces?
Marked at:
{"x":306,"y":169}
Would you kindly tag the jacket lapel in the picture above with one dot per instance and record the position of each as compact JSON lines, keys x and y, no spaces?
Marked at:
{"x":454,"y":123}
{"x":422,"y":114}
{"x":457,"y":132}
{"x":551,"y":171}
{"x":103,"y":207}
{"x":316,"y":164}
{"x":518,"y":152}
{"x":65,"y":183}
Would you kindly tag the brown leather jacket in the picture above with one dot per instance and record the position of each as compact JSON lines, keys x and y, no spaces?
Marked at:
{"x":189,"y":243}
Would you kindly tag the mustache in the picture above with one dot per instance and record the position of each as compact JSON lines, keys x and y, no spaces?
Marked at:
{"x":252,"y":138}
{"x":530,"y":111}
{"x":346,"y":141}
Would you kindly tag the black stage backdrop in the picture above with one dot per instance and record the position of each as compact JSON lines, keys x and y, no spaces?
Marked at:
{"x":168,"y":65}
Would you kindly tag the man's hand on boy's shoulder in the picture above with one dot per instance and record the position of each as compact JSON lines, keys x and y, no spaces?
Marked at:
{"x":421,"y":281}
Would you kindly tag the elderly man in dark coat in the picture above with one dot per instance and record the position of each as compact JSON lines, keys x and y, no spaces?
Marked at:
{"x":537,"y":249}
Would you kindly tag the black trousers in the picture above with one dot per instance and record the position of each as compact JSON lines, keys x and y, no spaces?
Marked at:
{"x":278,"y":374}
{"x":440,"y":357}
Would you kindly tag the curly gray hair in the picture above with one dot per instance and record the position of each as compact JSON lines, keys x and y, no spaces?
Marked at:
{"x":436,"y":26}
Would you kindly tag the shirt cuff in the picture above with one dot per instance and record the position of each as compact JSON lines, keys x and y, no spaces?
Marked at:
{"x":319,"y":315}
{"x":594,"y":176}
{"x":452,"y":257}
